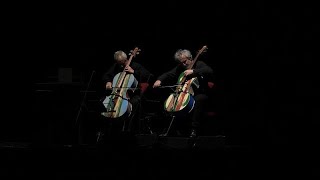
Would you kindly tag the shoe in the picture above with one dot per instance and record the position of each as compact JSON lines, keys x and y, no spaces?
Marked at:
{"x":163,"y":134}
{"x":178,"y":133}
{"x":193,"y":133}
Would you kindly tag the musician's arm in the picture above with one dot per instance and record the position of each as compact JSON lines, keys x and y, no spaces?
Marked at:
{"x":202,"y":69}
{"x":109,"y":74}
{"x":169,"y":75}
{"x":141,"y":73}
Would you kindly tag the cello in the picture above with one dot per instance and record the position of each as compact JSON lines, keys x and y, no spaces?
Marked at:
{"x":117,"y":103}
{"x":182,"y":99}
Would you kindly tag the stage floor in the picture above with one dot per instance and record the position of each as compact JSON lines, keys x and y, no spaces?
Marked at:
{"x":146,"y":157}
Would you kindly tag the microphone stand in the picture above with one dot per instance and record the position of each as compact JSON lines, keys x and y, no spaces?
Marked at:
{"x":77,"y":125}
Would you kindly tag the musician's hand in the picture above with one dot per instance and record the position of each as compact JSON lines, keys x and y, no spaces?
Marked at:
{"x":129,"y":70}
{"x":157,"y":84}
{"x":188,"y":72}
{"x":109,"y":85}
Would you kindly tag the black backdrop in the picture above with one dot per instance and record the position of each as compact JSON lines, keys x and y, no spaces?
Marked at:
{"x":262,"y":53}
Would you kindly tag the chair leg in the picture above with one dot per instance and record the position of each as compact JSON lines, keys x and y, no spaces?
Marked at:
{"x":144,"y":125}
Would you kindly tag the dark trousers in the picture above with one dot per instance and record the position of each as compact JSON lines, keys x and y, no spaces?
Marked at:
{"x":198,"y":110}
{"x":131,"y":124}
{"x":183,"y":122}
{"x":124,"y":125}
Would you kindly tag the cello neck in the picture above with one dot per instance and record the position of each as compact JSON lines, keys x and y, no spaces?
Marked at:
{"x":132,"y":53}
{"x":203,"y":49}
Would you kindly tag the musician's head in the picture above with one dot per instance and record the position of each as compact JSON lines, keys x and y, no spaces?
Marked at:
{"x":120,"y":57}
{"x":184,"y":57}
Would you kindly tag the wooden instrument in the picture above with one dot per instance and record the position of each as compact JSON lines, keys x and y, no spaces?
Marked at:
{"x":182,"y":99}
{"x":117,"y":103}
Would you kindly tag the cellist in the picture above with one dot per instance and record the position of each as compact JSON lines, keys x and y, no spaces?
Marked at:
{"x":202,"y":73}
{"x":141,"y":75}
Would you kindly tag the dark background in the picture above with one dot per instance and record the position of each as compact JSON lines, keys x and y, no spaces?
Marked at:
{"x":266,"y":95}
{"x":263,"y":55}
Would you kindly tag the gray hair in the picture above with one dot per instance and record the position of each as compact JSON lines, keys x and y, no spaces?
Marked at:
{"x":182,"y":53}
{"x":119,"y":55}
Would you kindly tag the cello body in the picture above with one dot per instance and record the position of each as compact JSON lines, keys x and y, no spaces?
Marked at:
{"x":117,"y":104}
{"x":182,"y":100}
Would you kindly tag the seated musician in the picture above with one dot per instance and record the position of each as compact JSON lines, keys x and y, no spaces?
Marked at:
{"x":202,"y":74}
{"x":130,"y":96}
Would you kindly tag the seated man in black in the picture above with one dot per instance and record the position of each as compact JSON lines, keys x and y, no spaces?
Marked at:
{"x":199,"y":73}
{"x":125,"y":81}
